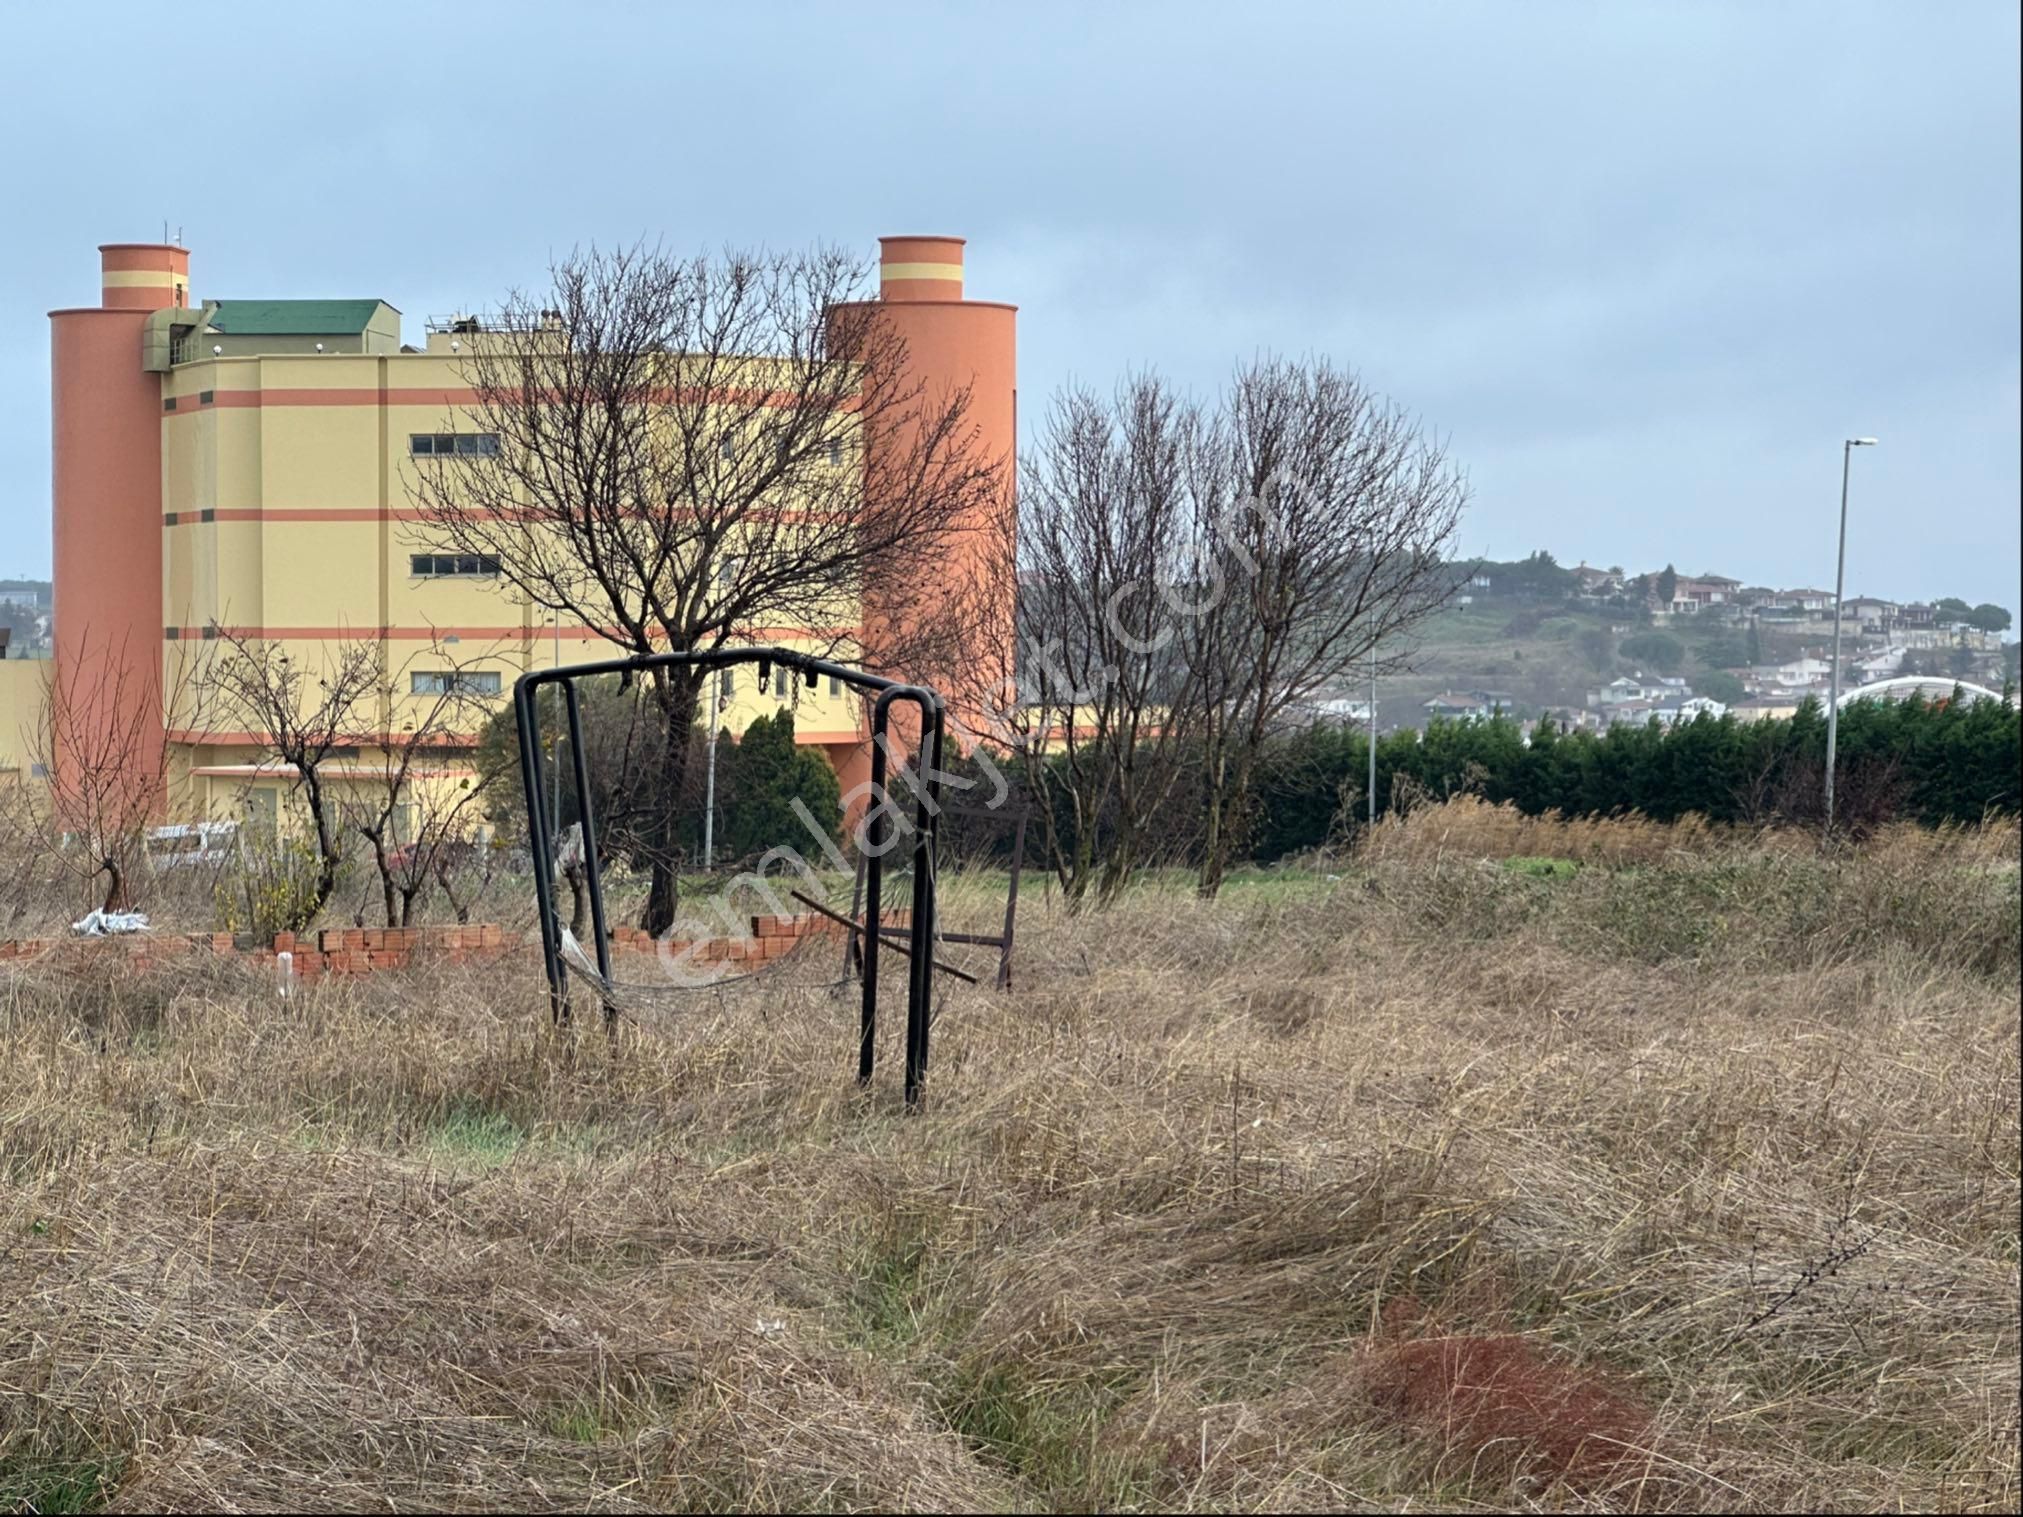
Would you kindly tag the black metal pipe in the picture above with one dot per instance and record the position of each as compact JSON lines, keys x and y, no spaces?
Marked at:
{"x":927,"y":824}
{"x":539,"y":848}
{"x":878,"y":839}
{"x":717,"y":657}
{"x":875,"y":843}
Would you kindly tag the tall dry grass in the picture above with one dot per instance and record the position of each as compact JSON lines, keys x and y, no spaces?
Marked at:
{"x":1468,"y":826}
{"x":1692,"y":1184}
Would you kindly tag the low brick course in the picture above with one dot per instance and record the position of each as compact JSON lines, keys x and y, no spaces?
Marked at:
{"x":356,"y":950}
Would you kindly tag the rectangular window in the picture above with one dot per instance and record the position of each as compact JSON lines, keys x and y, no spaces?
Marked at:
{"x":453,"y":566}
{"x":453,"y":682}
{"x":835,"y":452}
{"x":453,"y":445}
{"x":835,"y":685}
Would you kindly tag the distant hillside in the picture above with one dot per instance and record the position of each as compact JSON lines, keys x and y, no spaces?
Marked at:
{"x":1535,"y":634}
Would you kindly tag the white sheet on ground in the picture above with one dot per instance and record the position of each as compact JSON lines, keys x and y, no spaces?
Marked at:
{"x":101,"y":924}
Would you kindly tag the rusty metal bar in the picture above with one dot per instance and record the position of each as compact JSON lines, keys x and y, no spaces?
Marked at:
{"x":891,"y":935}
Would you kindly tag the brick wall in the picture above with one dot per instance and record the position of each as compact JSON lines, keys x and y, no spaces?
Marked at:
{"x":362,"y":950}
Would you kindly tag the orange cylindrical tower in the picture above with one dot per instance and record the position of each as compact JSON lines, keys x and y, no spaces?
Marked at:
{"x":951,"y":343}
{"x":106,"y":503}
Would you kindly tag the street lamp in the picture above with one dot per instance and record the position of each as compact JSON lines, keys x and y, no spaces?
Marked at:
{"x":1373,"y":732}
{"x":1839,"y":584}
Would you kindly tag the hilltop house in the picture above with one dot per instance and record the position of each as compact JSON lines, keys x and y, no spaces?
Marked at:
{"x":1616,"y":692}
{"x":1341,"y":708}
{"x":1456,"y":706}
{"x":1811,"y":602}
{"x":1701,"y":592}
{"x":1879,"y":665}
{"x":1668,"y":710}
{"x":1796,"y":674}
{"x":1597,"y":584}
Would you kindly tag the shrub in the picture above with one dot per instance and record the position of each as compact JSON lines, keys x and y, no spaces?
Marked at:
{"x":768,"y":775}
{"x":269,"y":887}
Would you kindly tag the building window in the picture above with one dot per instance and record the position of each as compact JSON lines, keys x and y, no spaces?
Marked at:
{"x":835,"y":686}
{"x":835,"y":452}
{"x":453,"y":445}
{"x":453,"y":682}
{"x":453,"y":566}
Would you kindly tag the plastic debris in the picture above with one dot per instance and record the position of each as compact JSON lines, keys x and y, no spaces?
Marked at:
{"x":100,"y":924}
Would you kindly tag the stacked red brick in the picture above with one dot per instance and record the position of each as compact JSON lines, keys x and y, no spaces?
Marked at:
{"x":361,"y":950}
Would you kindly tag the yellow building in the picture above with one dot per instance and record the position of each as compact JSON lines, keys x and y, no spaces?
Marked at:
{"x":247,"y":467}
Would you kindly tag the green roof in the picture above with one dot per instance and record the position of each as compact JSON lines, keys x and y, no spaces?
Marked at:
{"x":293,"y":318}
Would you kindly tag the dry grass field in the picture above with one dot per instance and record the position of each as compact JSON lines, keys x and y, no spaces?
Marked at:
{"x":1687,"y":1178}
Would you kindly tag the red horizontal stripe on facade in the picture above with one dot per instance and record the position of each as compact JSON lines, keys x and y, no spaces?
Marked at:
{"x":198,"y":517}
{"x":458,"y":396}
{"x":534,"y":631}
{"x":225,"y":739}
{"x":447,"y":740}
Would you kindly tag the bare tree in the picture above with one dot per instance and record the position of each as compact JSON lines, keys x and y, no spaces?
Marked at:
{"x":1105,"y":705}
{"x":1324,"y":519}
{"x":303,"y":717}
{"x":99,"y":741}
{"x":24,"y":841}
{"x":414,"y":811}
{"x":672,"y":451}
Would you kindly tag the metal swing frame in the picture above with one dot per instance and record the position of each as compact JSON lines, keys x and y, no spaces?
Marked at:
{"x":884,"y":821}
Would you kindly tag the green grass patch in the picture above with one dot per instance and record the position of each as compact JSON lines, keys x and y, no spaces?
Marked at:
{"x":33,"y":1481}
{"x":578,"y":1422}
{"x":1049,"y":1434}
{"x":891,"y":1285}
{"x":479,"y":1134}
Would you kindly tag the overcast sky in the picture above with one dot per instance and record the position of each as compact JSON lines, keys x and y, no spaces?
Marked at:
{"x":1645,"y":266}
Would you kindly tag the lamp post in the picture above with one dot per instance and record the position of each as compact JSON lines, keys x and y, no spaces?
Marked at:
{"x":1839,"y":585}
{"x":1373,"y":732}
